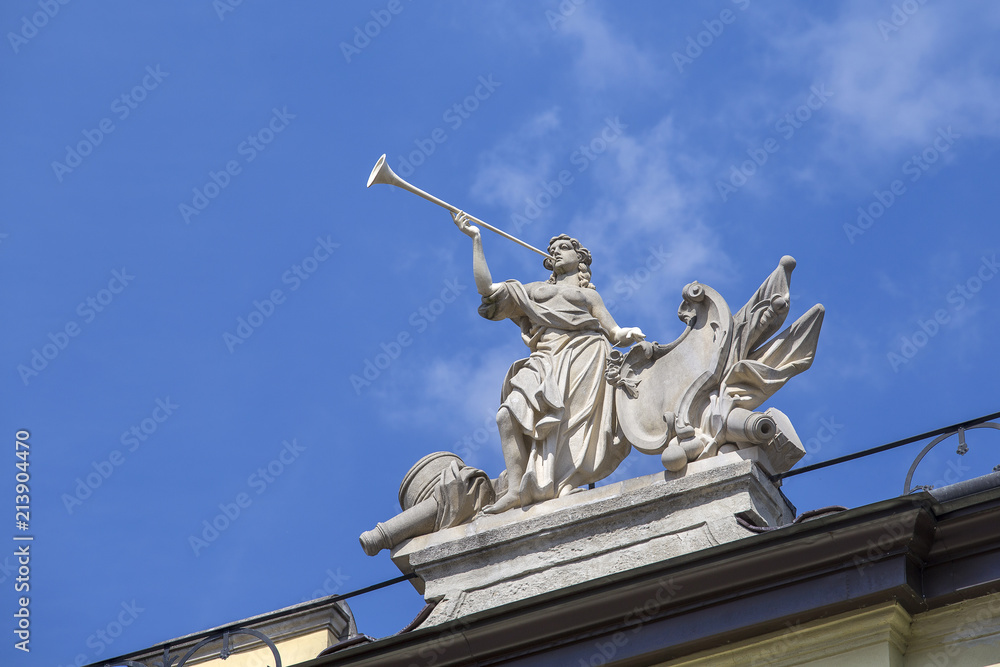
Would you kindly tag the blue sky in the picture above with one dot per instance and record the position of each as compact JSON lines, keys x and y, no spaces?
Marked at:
{"x":193,"y":269}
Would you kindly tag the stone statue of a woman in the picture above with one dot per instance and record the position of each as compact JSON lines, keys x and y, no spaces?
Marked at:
{"x":556,"y":414}
{"x":556,"y":419}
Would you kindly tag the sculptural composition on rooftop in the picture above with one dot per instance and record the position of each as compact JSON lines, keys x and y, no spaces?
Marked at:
{"x":571,"y":411}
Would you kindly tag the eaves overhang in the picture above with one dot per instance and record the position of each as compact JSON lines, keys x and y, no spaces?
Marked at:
{"x":918,"y":551}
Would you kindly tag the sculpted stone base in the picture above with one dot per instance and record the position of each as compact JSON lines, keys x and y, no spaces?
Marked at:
{"x":518,"y":554}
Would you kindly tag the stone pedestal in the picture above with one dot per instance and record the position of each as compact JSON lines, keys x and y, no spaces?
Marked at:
{"x":521,"y":553}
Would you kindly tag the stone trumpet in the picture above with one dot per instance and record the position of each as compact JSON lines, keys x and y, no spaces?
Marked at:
{"x":382,"y":173}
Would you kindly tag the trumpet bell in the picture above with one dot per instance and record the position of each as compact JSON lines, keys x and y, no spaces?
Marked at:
{"x":381,"y":173}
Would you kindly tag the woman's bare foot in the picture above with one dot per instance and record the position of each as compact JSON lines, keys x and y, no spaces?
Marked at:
{"x":507,"y":501}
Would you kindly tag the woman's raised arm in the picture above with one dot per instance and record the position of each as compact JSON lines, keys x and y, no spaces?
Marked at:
{"x":480,"y":270}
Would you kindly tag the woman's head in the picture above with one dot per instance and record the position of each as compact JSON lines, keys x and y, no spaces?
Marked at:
{"x":568,"y":256}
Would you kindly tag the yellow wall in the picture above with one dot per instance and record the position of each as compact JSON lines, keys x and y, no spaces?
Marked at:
{"x":966,"y":634}
{"x":293,"y":651}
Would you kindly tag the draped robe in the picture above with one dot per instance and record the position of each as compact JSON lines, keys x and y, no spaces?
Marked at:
{"x":558,"y":396}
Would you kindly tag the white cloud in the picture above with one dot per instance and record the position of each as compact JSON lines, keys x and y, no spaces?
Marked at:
{"x":649,"y":201}
{"x":464,"y":385}
{"x":896,"y":90}
{"x":513,"y":169}
{"x":457,"y":400}
{"x":471,"y":386}
{"x":605,"y":57}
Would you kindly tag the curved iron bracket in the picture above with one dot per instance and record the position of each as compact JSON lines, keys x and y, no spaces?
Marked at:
{"x":224,"y":652}
{"x":962,"y":449}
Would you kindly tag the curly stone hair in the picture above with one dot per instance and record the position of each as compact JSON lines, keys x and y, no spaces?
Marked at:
{"x":585,"y":260}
